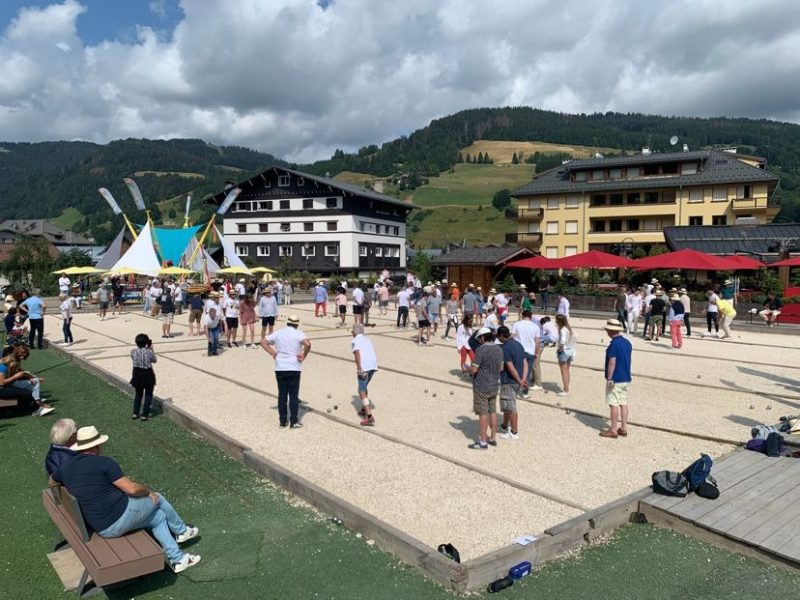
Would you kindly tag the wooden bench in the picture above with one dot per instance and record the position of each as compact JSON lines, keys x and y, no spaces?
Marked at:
{"x":10,"y":397}
{"x":106,"y":561}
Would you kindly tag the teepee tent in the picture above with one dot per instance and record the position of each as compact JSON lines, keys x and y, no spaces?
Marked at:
{"x":113,"y":253}
{"x":202,"y":261}
{"x":141,"y":256}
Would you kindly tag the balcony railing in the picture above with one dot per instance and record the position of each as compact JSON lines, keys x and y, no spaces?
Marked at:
{"x":525,"y":214}
{"x":748,"y":204}
{"x":524,"y":238}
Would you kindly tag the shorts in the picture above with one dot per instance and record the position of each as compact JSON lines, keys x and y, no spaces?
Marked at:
{"x":508,"y":397}
{"x":195,"y":314}
{"x":342,"y":309}
{"x":484,"y":403}
{"x":232,"y":322}
{"x":104,"y":305}
{"x":117,"y":300}
{"x":384,"y":303}
{"x":167,"y":317}
{"x":267,"y":321}
{"x":563,"y":357}
{"x":424,"y":323}
{"x":617,"y":395}
{"x":358,"y":309}
{"x":363,"y":383}
{"x":434,"y":318}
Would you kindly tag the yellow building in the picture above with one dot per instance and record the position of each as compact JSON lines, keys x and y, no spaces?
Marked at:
{"x":621,"y":203}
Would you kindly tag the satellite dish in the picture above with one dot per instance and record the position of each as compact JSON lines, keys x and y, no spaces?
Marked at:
{"x":673,"y":140}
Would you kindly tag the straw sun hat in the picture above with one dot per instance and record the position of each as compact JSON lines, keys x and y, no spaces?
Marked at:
{"x":613,"y":325}
{"x":293,"y":320}
{"x":88,"y":437}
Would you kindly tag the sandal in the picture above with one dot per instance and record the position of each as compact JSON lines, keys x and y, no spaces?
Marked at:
{"x":622,"y":432}
{"x":607,"y":433}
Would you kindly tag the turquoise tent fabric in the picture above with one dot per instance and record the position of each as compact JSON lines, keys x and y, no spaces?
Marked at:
{"x":172,"y":242}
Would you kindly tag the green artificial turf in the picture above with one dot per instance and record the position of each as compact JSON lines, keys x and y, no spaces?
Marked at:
{"x":257,"y":543}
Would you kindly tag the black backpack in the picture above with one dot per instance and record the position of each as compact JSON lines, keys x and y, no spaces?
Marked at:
{"x":450,"y":552}
{"x":473,"y":341}
{"x":670,"y":483}
{"x":774,"y":444}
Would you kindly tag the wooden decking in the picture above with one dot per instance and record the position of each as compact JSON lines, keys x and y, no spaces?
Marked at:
{"x":756,"y":514}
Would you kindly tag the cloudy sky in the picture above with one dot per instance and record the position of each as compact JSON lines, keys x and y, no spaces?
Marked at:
{"x":300,"y":78}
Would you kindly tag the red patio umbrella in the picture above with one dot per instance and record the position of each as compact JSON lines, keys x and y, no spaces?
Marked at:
{"x":789,"y":262}
{"x":593,"y":259}
{"x":745,"y":262}
{"x":535,"y":262}
{"x":688,"y":259}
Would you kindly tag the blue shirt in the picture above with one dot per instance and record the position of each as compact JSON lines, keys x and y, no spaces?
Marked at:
{"x":621,"y":349}
{"x":34,"y":305}
{"x":320,"y":294}
{"x":90,"y":478}
{"x":8,"y":320}
{"x":514,"y":353}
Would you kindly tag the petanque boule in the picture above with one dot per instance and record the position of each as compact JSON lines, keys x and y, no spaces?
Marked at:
{"x":335,"y":407}
{"x":329,"y":410}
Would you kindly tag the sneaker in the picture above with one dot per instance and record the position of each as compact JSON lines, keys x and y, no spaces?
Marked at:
{"x":509,"y":435}
{"x":236,"y":344}
{"x":524,"y":395}
{"x":535,"y":388}
{"x":362,"y":412}
{"x":186,"y":561}
{"x":478,"y":446}
{"x":296,"y":425}
{"x":191,"y":532}
{"x":562,"y":394}
{"x":369,"y":421}
{"x":284,"y":425}
{"x":492,"y":442}
{"x":503,"y":428}
{"x":229,"y":345}
{"x":45,"y":410}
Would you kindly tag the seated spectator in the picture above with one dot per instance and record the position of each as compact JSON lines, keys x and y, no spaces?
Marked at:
{"x":62,"y":436}
{"x":772,"y":309}
{"x":14,"y":328}
{"x":16,"y":383}
{"x":112,"y":504}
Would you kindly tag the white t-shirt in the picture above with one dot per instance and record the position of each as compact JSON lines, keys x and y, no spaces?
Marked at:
{"x":403,"y":297}
{"x":568,"y":341}
{"x":240,"y":289}
{"x":563,"y":307}
{"x":634,"y":303}
{"x":231,"y":307}
{"x":369,"y":361}
{"x":526,"y":332}
{"x":550,"y":330}
{"x":155,"y":292}
{"x":63,"y":284}
{"x":491,"y":322}
{"x":358,"y":296}
{"x":712,"y":308}
{"x":211,"y":323}
{"x":209,"y":304}
{"x":268,"y":306}
{"x":177,"y":294}
{"x":500,"y":300}
{"x":647,"y":299}
{"x":66,"y":309}
{"x":288,"y":343}
{"x":462,"y":337}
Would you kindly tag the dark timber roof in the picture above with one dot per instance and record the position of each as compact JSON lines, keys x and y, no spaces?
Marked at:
{"x":714,"y":168}
{"x":333,"y":184}
{"x":760,"y":240}
{"x":491,"y":255}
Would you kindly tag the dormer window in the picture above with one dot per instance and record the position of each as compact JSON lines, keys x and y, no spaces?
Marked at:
{"x":284,"y":181}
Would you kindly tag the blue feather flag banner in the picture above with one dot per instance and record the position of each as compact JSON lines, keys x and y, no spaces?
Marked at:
{"x":110,"y":199}
{"x":226,"y":204}
{"x":134,"y":190}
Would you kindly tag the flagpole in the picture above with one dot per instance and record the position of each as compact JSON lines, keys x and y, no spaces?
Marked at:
{"x":130,"y":226}
{"x":202,"y":239}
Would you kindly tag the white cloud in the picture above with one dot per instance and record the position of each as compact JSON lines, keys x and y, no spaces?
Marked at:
{"x":288,"y":77}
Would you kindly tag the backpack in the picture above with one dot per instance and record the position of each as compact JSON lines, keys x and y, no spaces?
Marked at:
{"x":774,"y":444}
{"x":473,"y":341}
{"x":697,"y":472}
{"x":450,"y":552}
{"x":670,"y":483}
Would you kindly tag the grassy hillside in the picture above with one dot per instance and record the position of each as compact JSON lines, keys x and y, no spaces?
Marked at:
{"x":455,"y":224}
{"x":68,"y":217}
{"x":502,"y":152}
{"x":471,"y":184}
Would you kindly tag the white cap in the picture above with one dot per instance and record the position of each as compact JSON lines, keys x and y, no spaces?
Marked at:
{"x":483,"y":331}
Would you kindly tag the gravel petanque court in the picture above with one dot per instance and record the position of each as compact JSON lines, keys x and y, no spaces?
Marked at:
{"x":413,"y":470}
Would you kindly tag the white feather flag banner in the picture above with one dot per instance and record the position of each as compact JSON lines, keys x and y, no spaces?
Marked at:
{"x":134,"y":190}
{"x":110,"y":199}
{"x":226,"y":204}
{"x":229,"y":251}
{"x":188,"y":206}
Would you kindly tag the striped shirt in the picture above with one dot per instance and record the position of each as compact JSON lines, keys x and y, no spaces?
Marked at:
{"x":143,"y":358}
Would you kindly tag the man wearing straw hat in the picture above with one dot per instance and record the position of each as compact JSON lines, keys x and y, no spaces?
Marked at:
{"x":112,"y":504}
{"x":289,"y":347}
{"x":618,"y":378}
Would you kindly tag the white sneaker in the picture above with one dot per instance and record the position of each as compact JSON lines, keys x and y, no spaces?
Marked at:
{"x":536,"y":388}
{"x":191,"y":532}
{"x":186,"y":561}
{"x":562,"y":394}
{"x":44,"y":411}
{"x":509,"y":435}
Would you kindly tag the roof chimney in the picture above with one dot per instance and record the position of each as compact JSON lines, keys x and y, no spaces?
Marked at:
{"x":646,"y":151}
{"x":686,"y":147}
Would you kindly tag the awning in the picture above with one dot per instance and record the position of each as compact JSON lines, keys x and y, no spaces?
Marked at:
{"x":690,"y":260}
{"x":593,"y":259}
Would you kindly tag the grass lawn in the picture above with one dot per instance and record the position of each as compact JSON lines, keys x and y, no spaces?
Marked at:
{"x":479,"y":227}
{"x":68,"y":217}
{"x":472,"y":184}
{"x":503,"y":151}
{"x":257,"y":543}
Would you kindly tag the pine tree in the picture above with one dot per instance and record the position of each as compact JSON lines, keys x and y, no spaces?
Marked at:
{"x":480,"y":158}
{"x":469,"y":158}
{"x":514,"y":159}
{"x":460,"y":158}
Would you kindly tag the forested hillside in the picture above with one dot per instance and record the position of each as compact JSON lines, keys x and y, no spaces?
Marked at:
{"x":41,"y":180}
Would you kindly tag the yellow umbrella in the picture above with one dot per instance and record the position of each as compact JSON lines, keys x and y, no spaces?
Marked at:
{"x":60,"y":271}
{"x":175,"y":271}
{"x":235,"y":271}
{"x":124,"y":271}
{"x":86,"y":271}
{"x":262,"y":270}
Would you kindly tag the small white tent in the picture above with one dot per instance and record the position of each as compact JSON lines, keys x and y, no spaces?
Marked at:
{"x":141,"y":256}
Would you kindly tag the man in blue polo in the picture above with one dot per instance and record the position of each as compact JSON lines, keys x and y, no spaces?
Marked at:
{"x":618,"y":378}
{"x":36,"y":308}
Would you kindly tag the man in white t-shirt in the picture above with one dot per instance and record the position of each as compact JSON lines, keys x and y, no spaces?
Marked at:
{"x":358,"y":305}
{"x":529,"y":335}
{"x":240,"y":289}
{"x":155,"y":294}
{"x":403,"y":304}
{"x":230,"y":306}
{"x":634,"y":307}
{"x":501,"y":306}
{"x":211,"y":326}
{"x":712,"y":312}
{"x":366,"y":367}
{"x":563,"y":305}
{"x":289,"y":347}
{"x":63,"y":284}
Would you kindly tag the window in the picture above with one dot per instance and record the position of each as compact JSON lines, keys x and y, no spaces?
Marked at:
{"x":598,"y":175}
{"x":570,"y":250}
{"x":651,"y":170}
{"x":615,"y":224}
{"x":614,"y":174}
{"x":308,"y":203}
{"x":242,"y":250}
{"x":265,"y":205}
{"x":633,"y":224}
{"x":598,"y":200}
{"x":695,"y":194}
{"x":395,"y":251}
{"x":331,"y":203}
{"x":242,"y":207}
{"x":331,"y":250}
{"x":284,"y":250}
{"x":719,"y":220}
{"x":572,"y":201}
{"x":651,"y":197}
{"x":284,"y":181}
{"x":551,"y":252}
{"x":332,"y":225}
{"x":615,"y":199}
{"x":668,"y":196}
{"x":743,"y":191}
{"x":598,"y":226}
{"x":396,"y":231}
{"x":688,"y":168}
{"x":308,"y":250}
{"x":695,"y":220}
{"x":669,"y":169}
{"x":378,"y":251}
{"x":262,"y":250}
{"x":720,"y":194}
{"x":552,"y":202}
{"x":241,"y":228}
{"x":580,"y":176}
{"x":634,"y":198}
{"x":301,"y":181}
{"x":571,"y":227}
{"x":362,"y":250}
{"x":263,"y":227}
{"x":285,"y":204}
{"x":552,"y":227}
{"x":286,"y":227}
{"x":308,"y":227}
{"x":534,"y":204}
